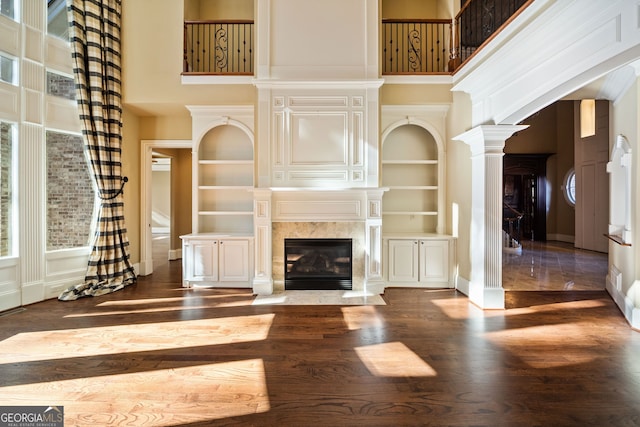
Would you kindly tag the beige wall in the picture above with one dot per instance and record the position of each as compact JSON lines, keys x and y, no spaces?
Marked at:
{"x":160,"y":198}
{"x":458,"y":179}
{"x":219,"y":9}
{"x":409,"y":9}
{"x":625,"y":122}
{"x":563,"y":213}
{"x":407,"y":94}
{"x":131,"y":169}
{"x":152,"y":53}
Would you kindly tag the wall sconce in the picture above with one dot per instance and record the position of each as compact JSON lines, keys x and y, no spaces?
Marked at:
{"x":587,"y":118}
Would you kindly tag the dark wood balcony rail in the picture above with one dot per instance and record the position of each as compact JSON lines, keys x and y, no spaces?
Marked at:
{"x":416,"y":46}
{"x":218,"y":47}
{"x":478,"y":21}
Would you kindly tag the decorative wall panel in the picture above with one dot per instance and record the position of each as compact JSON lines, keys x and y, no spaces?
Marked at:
{"x":33,"y":46}
{"x":9,"y":101}
{"x":318,"y":140}
{"x":10,"y":37}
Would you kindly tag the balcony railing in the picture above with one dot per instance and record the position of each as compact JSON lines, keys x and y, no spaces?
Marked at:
{"x":478,"y":21}
{"x":218,"y":47}
{"x":409,"y":47}
{"x":417,"y":46}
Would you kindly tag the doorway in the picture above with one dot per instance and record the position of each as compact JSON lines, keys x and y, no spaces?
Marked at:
{"x":161,"y":208}
{"x":180,"y":218}
{"x":524,"y":194}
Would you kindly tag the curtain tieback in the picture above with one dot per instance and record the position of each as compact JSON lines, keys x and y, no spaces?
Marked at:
{"x":123,"y":181}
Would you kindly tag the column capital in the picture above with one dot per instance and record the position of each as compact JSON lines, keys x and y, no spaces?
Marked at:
{"x":488,"y":139}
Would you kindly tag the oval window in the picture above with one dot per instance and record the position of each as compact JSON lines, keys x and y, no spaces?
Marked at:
{"x":569,"y":187}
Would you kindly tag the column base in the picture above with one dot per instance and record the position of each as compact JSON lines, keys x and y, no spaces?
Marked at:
{"x":486,"y":298}
{"x":263,"y":286}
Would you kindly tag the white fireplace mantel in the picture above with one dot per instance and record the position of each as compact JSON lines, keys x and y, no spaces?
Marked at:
{"x":315,"y":205}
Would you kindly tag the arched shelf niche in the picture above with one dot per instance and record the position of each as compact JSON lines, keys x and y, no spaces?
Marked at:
{"x":224,"y":177}
{"x":413,"y":170}
{"x":619,"y":168}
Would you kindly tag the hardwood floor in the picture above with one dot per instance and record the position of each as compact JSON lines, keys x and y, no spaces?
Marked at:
{"x":156,"y":354}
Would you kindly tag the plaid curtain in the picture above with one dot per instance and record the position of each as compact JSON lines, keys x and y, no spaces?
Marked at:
{"x":95,"y":41}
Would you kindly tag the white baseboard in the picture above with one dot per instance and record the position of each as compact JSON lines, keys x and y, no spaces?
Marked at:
{"x":624,"y":303}
{"x":175,"y":254}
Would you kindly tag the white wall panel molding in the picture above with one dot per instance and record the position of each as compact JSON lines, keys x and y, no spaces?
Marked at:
{"x":319,"y":140}
{"x":33,"y":44}
{"x":32,"y":75}
{"x":357,"y":139}
{"x":32,"y":106}
{"x":64,"y":268}
{"x":31,"y":187}
{"x":317,"y":101}
{"x":263,"y":265}
{"x":33,"y":14}
{"x":319,"y":206}
{"x":61,"y":114}
{"x":10,"y":295}
{"x":9,"y":36}
{"x":9,"y":102}
{"x":58,"y":54}
{"x":549,"y":51}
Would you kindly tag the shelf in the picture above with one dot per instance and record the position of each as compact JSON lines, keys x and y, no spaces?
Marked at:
{"x":426,"y":213}
{"x":226,"y":187}
{"x":413,"y":187}
{"x":409,"y":162}
{"x":617,"y":239}
{"x":225,"y":162}
{"x":225,"y":213}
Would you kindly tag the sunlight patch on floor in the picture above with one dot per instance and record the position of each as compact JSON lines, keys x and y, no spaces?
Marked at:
{"x":215,"y":391}
{"x":361,"y":317}
{"x":142,"y":338}
{"x":394,"y":359}
{"x":533,"y":344}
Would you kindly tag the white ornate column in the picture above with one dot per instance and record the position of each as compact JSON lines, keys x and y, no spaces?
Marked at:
{"x":263,"y":277}
{"x":487,"y":149}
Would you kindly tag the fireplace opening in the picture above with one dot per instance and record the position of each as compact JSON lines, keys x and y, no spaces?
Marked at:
{"x":318,"y":264}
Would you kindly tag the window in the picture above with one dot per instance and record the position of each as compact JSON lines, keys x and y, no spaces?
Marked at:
{"x":569,"y":187}
{"x":7,"y":137}
{"x":8,"y":8}
{"x":57,"y":22}
{"x":8,"y":69}
{"x":70,"y":192}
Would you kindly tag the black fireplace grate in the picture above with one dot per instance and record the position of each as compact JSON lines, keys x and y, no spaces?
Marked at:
{"x":318,"y":263}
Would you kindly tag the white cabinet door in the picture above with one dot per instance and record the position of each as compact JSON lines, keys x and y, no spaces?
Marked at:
{"x":403,"y":260}
{"x":203,"y":261}
{"x":234,"y":260}
{"x":434,"y":261}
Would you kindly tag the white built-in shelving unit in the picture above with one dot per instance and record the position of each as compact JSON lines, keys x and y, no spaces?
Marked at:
{"x":416,"y":252}
{"x":219,"y":251}
{"x":410,"y":170}
{"x":224,"y":182}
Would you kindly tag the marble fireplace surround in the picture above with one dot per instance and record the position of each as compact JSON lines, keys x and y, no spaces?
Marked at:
{"x":308,"y":230}
{"x":354,"y":213}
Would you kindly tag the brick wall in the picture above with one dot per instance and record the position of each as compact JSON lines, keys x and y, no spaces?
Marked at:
{"x":70,"y":192}
{"x":62,"y":86}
